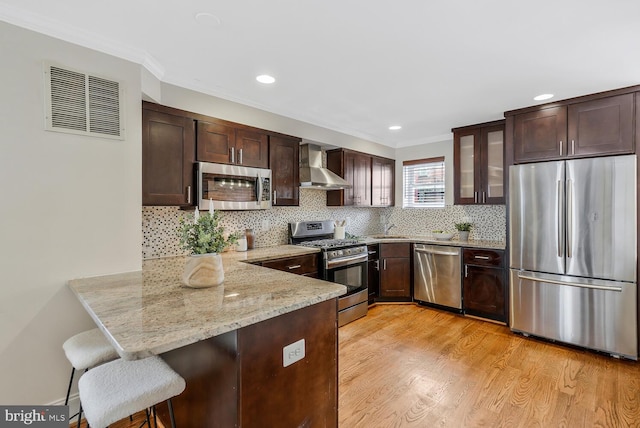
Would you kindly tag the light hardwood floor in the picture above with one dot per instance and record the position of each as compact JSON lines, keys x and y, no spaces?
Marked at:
{"x":408,"y":366}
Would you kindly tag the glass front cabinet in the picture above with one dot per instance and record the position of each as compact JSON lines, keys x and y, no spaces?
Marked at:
{"x":478,"y":157}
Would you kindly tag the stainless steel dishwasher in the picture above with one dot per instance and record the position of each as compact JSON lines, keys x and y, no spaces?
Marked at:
{"x":437,"y":275}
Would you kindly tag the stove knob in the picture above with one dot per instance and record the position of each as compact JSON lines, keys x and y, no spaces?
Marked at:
{"x":340,"y":253}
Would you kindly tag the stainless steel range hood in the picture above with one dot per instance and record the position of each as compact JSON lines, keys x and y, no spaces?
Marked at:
{"x":313,"y":175}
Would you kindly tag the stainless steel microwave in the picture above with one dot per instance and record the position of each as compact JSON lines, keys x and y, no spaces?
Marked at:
{"x":232,"y":187}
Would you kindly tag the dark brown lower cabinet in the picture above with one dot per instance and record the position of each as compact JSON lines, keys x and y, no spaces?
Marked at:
{"x":484,"y":288}
{"x":238,"y":378}
{"x":395,"y":271}
{"x":373,"y":272}
{"x":306,"y":265}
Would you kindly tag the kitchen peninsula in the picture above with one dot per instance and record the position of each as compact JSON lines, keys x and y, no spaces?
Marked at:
{"x":227,"y":342}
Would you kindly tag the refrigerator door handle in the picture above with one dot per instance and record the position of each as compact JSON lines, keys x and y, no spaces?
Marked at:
{"x":569,"y":216}
{"x":572,"y":284}
{"x":559,"y":197}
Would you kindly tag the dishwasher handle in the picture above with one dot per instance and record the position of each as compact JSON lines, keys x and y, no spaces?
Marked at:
{"x":437,"y":252}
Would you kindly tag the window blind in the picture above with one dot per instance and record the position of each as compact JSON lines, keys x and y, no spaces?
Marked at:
{"x":423,"y":183}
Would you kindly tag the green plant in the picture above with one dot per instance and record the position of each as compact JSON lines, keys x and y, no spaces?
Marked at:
{"x":203,"y":234}
{"x":463,"y":227}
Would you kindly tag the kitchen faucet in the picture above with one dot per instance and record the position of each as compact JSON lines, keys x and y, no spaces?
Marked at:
{"x":386,"y":226}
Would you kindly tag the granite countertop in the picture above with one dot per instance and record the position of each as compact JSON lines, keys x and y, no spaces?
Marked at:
{"x":425,"y":239}
{"x":149,"y":312}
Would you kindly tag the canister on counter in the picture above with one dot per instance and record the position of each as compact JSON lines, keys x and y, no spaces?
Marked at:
{"x":250,"y":236}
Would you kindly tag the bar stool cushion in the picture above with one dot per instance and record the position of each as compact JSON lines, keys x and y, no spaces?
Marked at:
{"x":88,"y":349}
{"x":120,"y":388}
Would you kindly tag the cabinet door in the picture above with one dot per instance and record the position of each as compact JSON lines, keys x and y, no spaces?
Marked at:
{"x":466,"y":158}
{"x":603,"y":126}
{"x":283,"y":160}
{"x":168,"y":154}
{"x":362,"y":180}
{"x":216,"y":143}
{"x":492,"y":160}
{"x":373,"y":274}
{"x":540,"y":135}
{"x":382,"y":182}
{"x":395,"y":277}
{"x":252,"y":149}
{"x":484,"y":292}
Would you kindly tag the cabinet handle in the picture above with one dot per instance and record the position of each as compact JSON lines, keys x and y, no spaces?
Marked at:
{"x":481,"y":257}
{"x":466,"y":271}
{"x":275,"y":197}
{"x":294,"y":267}
{"x":377,"y":265}
{"x":384,"y":264}
{"x":240,"y":156}
{"x":560,"y":147}
{"x":189,"y":194}
{"x":573,"y":147}
{"x":475,"y":197}
{"x":233,"y":155}
{"x":484,"y":198}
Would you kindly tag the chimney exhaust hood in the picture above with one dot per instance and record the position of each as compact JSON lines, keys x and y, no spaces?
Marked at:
{"x":313,"y":175}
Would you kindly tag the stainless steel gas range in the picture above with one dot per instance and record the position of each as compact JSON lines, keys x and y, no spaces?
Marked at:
{"x":343,"y":261}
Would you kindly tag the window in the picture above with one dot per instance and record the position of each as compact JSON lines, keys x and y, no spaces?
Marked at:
{"x":423,"y":183}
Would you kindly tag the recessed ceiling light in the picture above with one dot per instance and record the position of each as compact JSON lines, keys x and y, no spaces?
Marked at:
{"x":395,"y":127}
{"x":543,"y":97}
{"x":208,"y":19}
{"x":265,"y":78}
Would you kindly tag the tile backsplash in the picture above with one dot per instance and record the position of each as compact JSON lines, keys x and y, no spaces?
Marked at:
{"x":160,"y":239}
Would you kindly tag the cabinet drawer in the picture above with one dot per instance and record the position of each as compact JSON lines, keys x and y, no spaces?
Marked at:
{"x":301,"y":265}
{"x":398,"y":249}
{"x":483,"y":257}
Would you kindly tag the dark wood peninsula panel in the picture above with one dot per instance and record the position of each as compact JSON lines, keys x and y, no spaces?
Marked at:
{"x":238,"y":378}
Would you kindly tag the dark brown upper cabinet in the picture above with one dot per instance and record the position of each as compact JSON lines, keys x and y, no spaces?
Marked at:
{"x":284,"y":154}
{"x":478,"y":164}
{"x":222,"y":143}
{"x":593,"y":125}
{"x":382,"y":182}
{"x":168,"y":155}
{"x":357,"y":168}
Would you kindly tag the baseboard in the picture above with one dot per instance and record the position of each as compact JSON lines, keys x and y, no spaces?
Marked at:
{"x":74,"y":403}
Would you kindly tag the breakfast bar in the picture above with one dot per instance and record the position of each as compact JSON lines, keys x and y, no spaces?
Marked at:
{"x":228,"y":341}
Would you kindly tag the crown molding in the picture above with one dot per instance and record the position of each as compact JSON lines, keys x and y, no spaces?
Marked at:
{"x":87,"y":39}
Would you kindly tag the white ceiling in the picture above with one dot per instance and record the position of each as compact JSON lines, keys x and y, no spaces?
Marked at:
{"x":358,"y":66}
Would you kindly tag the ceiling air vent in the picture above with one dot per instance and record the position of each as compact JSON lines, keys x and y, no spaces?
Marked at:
{"x":78,"y":103}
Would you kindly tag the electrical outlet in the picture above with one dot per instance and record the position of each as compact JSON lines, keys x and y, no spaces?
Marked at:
{"x":266,"y":224}
{"x":292,"y":353}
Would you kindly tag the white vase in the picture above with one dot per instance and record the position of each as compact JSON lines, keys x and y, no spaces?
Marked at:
{"x":203,"y":270}
{"x":464,"y":235}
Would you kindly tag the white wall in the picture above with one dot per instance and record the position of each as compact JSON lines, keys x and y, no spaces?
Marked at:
{"x":70,"y":208}
{"x":196,"y":102}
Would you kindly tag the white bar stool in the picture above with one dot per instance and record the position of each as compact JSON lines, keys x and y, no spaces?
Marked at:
{"x":120,"y":388}
{"x":84,"y":351}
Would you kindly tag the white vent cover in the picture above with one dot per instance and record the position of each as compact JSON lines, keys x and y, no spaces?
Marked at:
{"x":78,"y":103}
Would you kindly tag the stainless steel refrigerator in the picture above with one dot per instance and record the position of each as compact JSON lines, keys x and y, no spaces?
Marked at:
{"x":572,"y":239}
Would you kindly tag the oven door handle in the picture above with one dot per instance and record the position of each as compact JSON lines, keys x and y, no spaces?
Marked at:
{"x":347,"y":261}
